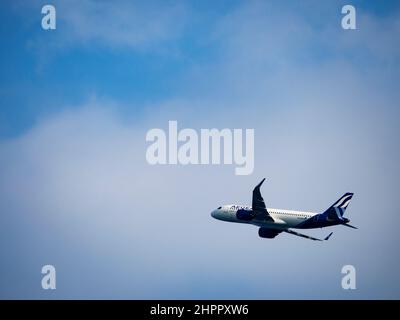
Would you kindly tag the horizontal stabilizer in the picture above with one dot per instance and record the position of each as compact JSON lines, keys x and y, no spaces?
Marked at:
{"x":349,"y":225}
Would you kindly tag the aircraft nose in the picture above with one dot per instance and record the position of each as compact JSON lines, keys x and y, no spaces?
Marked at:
{"x":216,"y":214}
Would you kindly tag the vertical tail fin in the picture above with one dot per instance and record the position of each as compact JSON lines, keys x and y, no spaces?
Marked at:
{"x":336,"y":211}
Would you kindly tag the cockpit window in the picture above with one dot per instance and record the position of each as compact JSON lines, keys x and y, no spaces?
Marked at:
{"x":219,"y":208}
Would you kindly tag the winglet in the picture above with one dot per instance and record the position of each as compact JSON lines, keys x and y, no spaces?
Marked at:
{"x":328,"y":236}
{"x":259,"y":185}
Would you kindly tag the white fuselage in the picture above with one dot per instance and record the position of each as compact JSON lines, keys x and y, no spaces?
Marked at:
{"x":283,"y":219}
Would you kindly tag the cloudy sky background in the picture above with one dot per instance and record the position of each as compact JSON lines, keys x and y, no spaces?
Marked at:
{"x":76,"y":190}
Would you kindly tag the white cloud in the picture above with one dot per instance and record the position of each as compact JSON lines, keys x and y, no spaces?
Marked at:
{"x":154,"y":27}
{"x":128,"y":24}
{"x":77,"y":188}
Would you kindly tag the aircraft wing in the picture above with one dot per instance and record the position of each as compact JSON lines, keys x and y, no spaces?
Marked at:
{"x":258,"y":205}
{"x":306,"y":236}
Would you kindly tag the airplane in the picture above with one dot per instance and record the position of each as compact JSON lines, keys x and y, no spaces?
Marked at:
{"x":272,"y":222}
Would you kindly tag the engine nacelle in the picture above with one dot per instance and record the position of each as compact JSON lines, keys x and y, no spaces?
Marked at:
{"x":267,"y":233}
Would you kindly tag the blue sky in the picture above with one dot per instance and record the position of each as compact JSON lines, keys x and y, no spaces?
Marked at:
{"x":72,"y":70}
{"x":76,"y":103}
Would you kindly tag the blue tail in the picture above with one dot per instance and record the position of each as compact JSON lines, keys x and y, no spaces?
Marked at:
{"x":336,"y":211}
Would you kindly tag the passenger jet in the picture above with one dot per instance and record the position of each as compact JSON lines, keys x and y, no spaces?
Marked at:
{"x":274,"y":221}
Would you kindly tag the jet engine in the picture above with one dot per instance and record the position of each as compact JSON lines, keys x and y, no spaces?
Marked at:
{"x":267,"y":233}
